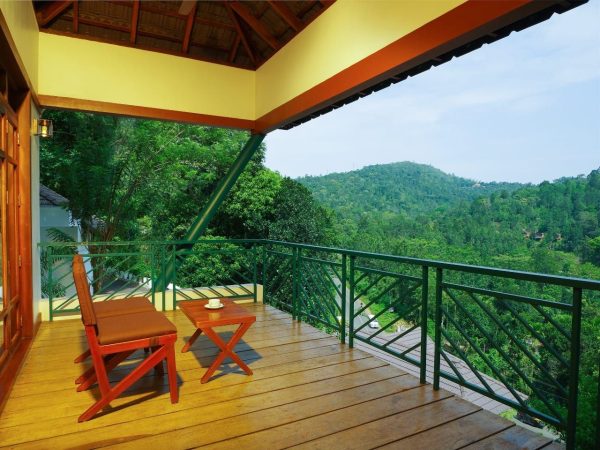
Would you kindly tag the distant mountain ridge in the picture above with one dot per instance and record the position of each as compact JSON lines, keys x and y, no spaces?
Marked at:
{"x":403,"y":187}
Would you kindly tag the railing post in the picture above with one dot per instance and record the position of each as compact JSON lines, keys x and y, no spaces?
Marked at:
{"x":153,"y":277}
{"x":173,"y":270}
{"x":163,"y":250}
{"x":424,"y":312}
{"x":343,"y":300}
{"x":598,"y":411}
{"x":255,"y":271}
{"x":264,"y":273}
{"x":50,"y":283}
{"x":438,"y":328}
{"x":574,"y":368}
{"x":294,"y":281}
{"x":351,"y":304}
{"x":297,"y":280}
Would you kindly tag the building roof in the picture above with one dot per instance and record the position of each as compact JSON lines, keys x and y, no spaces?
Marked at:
{"x":254,"y":65}
{"x":50,"y":198}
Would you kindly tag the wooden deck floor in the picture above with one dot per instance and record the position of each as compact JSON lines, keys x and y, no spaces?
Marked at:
{"x":307,"y":391}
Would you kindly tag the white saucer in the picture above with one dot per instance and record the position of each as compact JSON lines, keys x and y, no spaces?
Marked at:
{"x":207,"y":306}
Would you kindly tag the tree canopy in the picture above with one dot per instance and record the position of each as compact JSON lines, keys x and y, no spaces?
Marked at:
{"x":134,"y":179}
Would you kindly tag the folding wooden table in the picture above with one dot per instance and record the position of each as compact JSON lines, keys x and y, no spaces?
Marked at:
{"x":206,"y":319}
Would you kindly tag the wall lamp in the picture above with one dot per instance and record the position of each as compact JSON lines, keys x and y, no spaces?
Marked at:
{"x":42,"y":127}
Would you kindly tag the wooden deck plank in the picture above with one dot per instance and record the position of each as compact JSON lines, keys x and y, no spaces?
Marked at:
{"x":312,"y":357}
{"x":67,"y":352}
{"x":191,"y":368}
{"x":77,"y":336}
{"x":455,"y":434}
{"x":391,"y":428}
{"x":386,"y":394}
{"x":307,"y":389}
{"x":273,"y":376}
{"x":515,"y":437}
{"x":215,"y":405}
{"x":312,"y":428}
{"x":70,"y":350}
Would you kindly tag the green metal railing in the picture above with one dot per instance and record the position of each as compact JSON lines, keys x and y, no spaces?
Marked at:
{"x":117,"y":270}
{"x":511,"y":336}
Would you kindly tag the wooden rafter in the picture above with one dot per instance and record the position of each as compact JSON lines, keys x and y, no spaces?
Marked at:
{"x":76,"y":16}
{"x":50,"y":11}
{"x":186,"y":7}
{"x":254,"y":23}
{"x":149,"y":7}
{"x":140,"y":32}
{"x":135,"y":14}
{"x":189,"y":26}
{"x":234,"y":48}
{"x":241,"y":33}
{"x":286,"y":14}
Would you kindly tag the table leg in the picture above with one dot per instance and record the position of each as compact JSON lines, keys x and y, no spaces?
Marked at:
{"x":189,"y":343}
{"x":226,"y":350}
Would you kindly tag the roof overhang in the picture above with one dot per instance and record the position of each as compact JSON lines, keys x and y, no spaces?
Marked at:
{"x":350,"y":50}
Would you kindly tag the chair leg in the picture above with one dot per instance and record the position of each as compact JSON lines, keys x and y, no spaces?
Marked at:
{"x":172,"y":373}
{"x":85,"y":355}
{"x":101,"y":376}
{"x":124,"y":384}
{"x":159,"y":368}
{"x":88,"y":379}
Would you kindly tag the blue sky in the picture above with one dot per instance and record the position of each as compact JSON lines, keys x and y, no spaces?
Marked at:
{"x":525,"y":108}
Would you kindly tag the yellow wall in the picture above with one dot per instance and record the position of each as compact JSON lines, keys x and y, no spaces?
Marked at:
{"x":346,"y":33}
{"x":89,"y":70}
{"x":20,"y":18}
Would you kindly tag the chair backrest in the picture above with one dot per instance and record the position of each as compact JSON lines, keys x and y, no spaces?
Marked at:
{"x":88,"y":316}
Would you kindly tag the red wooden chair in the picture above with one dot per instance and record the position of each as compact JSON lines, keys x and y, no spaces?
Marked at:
{"x":112,"y":339}
{"x":117,"y":307}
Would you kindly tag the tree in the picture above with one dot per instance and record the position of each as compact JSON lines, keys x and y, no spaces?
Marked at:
{"x":298,"y":217}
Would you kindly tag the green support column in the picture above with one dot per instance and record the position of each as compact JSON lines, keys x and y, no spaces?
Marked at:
{"x":199,"y":226}
{"x":201,"y":223}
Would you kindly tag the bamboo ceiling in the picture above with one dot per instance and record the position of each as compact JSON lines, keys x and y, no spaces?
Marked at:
{"x":239,"y":33}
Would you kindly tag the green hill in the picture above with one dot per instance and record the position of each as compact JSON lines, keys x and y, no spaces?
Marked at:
{"x":403,"y":187}
{"x":562,"y":215}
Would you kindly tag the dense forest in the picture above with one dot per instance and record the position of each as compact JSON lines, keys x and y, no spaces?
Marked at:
{"x":552,"y":227}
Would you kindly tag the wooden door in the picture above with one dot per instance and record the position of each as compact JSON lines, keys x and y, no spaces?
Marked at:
{"x":10,"y":307}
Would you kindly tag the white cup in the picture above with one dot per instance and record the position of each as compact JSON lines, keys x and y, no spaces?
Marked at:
{"x":214,"y":302}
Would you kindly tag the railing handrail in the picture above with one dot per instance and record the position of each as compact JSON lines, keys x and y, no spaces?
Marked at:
{"x":175,"y":242}
{"x":582,"y":283}
{"x":560,"y":280}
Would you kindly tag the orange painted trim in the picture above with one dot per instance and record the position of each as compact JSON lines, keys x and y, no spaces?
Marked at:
{"x":49,"y":101}
{"x":10,"y":372}
{"x":454,"y":28}
{"x":24,"y":217}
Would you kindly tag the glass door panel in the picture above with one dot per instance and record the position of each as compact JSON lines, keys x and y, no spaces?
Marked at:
{"x":10,"y":311}
{"x":11,"y":217}
{"x":2,"y":258}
